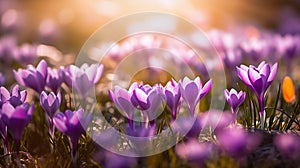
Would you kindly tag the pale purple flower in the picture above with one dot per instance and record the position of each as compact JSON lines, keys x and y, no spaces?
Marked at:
{"x":234,"y":99}
{"x":172,"y":93}
{"x":73,"y":124}
{"x":34,"y":78}
{"x":16,"y":119}
{"x":190,"y":126}
{"x":122,"y":99}
{"x":84,"y":78}
{"x":258,"y":79}
{"x":192,"y":91}
{"x":54,"y":79}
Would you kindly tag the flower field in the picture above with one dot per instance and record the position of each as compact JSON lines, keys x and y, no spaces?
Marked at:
{"x":148,"y":89}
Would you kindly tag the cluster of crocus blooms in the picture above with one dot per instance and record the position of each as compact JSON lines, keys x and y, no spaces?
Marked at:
{"x":258,"y":79}
{"x":15,"y":114}
{"x":150,"y":99}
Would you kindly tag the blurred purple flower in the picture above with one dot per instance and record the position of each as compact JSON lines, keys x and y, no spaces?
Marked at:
{"x":8,"y":44}
{"x":16,"y":119}
{"x":258,"y":79}
{"x":121,"y":98}
{"x":54,"y":79}
{"x":26,"y":53}
{"x":189,"y":126}
{"x":50,"y":104}
{"x":255,"y":48}
{"x":84,"y":78}
{"x":194,"y":151}
{"x":16,"y":97}
{"x":2,"y":79}
{"x":73,"y":124}
{"x":234,"y":99}
{"x":288,"y":144}
{"x":172,"y":93}
{"x":236,"y":142}
{"x":34,"y":78}
{"x":217,"y":120}
{"x":192,"y":91}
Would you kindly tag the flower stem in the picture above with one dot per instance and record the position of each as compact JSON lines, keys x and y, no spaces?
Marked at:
{"x":262,"y":112}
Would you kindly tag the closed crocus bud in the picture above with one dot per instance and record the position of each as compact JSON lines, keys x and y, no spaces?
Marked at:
{"x":234,"y":99}
{"x":288,"y":89}
{"x":73,"y":124}
{"x":54,"y":79}
{"x":34,"y":78}
{"x":258,"y":79}
{"x":50,"y":104}
{"x":192,"y":91}
{"x":16,"y":119}
{"x":172,"y":93}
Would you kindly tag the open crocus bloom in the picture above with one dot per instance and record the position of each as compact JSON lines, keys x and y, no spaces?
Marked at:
{"x":234,"y":99}
{"x":258,"y":79}
{"x":34,"y":78}
{"x":192,"y":91}
{"x":16,"y":97}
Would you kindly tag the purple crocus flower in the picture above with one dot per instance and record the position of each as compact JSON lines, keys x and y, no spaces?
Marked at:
{"x":34,"y":78}
{"x":216,"y":119}
{"x":2,"y":79}
{"x":172,"y":93}
{"x":8,"y":44}
{"x":16,"y":119}
{"x":234,"y":99}
{"x":258,"y":79}
{"x":148,"y":99}
{"x":50,"y":104}
{"x":84,"y":78}
{"x":73,"y":124}
{"x":192,"y":91}
{"x":54,"y":79}
{"x":16,"y":97}
{"x":121,"y":98}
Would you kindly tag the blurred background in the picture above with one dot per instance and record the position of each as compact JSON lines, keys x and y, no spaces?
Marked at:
{"x":67,"y":24}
